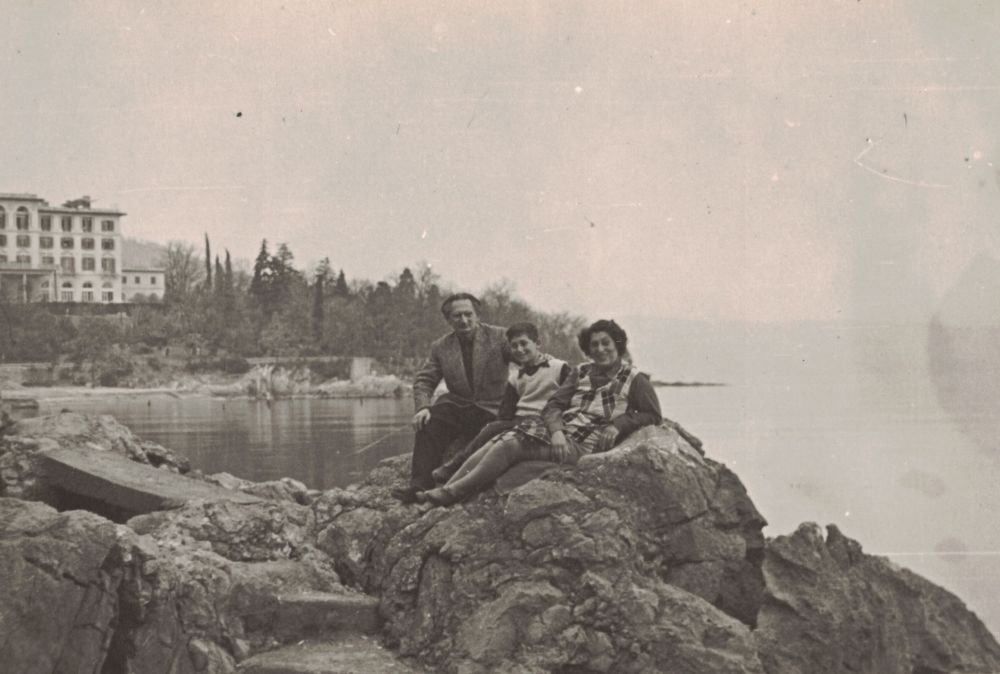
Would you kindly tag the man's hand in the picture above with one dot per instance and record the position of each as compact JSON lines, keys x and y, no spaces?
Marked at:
{"x":421,"y":418}
{"x":606,"y":438}
{"x":560,"y":448}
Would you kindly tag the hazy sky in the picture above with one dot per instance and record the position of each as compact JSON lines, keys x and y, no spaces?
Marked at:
{"x":703,"y":159}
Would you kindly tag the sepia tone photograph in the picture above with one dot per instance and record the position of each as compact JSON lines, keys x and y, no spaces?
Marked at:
{"x":356,"y":336}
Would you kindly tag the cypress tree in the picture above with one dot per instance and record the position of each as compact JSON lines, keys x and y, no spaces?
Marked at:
{"x":219,"y":279}
{"x":208,"y":263}
{"x":341,"y":289}
{"x":261,"y":272}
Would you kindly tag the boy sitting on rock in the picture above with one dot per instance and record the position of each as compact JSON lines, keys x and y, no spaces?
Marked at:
{"x":528,"y":389}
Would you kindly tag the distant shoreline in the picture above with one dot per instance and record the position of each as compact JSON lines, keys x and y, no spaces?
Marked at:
{"x":657,"y":382}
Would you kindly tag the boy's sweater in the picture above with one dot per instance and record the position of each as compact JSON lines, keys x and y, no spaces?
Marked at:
{"x":531,"y":386}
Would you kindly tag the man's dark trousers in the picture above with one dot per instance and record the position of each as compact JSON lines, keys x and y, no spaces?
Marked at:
{"x":447,"y":422}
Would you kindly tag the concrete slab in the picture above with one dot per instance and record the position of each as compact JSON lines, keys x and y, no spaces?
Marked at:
{"x":126,"y":485}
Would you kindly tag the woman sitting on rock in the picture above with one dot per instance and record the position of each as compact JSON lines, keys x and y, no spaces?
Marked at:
{"x":598,"y":404}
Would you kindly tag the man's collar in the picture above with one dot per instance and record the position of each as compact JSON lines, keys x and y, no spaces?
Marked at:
{"x":467,"y":337}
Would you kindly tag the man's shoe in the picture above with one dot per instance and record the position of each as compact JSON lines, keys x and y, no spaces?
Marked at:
{"x":405,"y":494}
{"x":441,"y":474}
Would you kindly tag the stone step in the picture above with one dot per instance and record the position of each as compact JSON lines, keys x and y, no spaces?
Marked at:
{"x":349,"y":654}
{"x":307,"y":614}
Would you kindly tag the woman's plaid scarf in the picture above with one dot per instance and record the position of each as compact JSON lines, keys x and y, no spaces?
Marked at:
{"x":591,"y":408}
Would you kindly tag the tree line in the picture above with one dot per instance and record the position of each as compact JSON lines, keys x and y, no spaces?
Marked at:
{"x":215,"y":306}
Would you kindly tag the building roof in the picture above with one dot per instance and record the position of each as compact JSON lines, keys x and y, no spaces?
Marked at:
{"x":18,"y":196}
{"x":74,"y":211}
{"x":14,"y":196}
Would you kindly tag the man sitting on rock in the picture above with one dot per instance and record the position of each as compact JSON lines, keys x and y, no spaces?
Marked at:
{"x":472,"y":361}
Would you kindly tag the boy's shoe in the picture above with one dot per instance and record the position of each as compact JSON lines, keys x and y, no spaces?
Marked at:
{"x":440,"y":496}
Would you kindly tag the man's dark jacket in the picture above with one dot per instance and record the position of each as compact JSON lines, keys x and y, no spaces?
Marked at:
{"x":489,"y":368}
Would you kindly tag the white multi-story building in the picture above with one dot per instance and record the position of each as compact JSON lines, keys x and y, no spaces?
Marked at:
{"x":68,"y":253}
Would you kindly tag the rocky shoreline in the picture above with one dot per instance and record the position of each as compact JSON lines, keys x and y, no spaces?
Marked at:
{"x":281,"y":384}
{"x":648,"y":558}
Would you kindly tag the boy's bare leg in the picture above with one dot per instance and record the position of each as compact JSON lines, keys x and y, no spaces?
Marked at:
{"x":442,"y":473}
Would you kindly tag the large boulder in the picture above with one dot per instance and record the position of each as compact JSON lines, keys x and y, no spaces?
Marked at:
{"x":206,"y":579}
{"x":60,"y":574}
{"x":20,"y":473}
{"x":641,"y":558}
{"x":648,"y":558}
{"x":189,"y":591}
{"x":829,"y":607}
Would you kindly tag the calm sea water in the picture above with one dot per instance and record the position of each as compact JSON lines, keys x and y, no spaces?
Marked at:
{"x":323,"y":443}
{"x":833,"y":426}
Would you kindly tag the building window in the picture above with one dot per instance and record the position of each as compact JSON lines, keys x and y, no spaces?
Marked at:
{"x":87,"y":295}
{"x":87,"y":243}
{"x":87,"y":264}
{"x":107,"y":244}
{"x":66,"y":292}
{"x":24,"y":259}
{"x":138,"y":280}
{"x":22,"y":218}
{"x":48,"y":260}
{"x":88,"y":224}
{"x":66,"y":222}
{"x":152,"y":280}
{"x":108,"y":264}
{"x":3,"y":257}
{"x":23,"y":241}
{"x":107,"y":225}
{"x":124,"y":280}
{"x":66,"y":243}
{"x":46,"y":223}
{"x":45,"y":242}
{"x":3,"y":218}
{"x":68,"y":264}
{"x":3,"y":239}
{"x":107,"y":293}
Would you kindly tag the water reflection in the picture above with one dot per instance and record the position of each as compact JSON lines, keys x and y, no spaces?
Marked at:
{"x":315,"y":441}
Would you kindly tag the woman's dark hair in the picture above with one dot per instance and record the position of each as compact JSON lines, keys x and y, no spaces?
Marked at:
{"x":446,"y":305}
{"x":614,"y":331}
{"x":528,"y":329}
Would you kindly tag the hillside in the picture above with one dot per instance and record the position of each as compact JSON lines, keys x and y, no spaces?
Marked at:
{"x":139,"y":253}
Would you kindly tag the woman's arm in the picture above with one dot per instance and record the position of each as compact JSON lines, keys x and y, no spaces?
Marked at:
{"x":643,"y":407}
{"x":559,"y":402}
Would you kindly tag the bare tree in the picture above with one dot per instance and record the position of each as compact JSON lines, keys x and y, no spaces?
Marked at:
{"x":183,"y":270}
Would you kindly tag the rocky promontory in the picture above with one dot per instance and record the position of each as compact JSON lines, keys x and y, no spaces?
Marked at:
{"x":647,"y":558}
